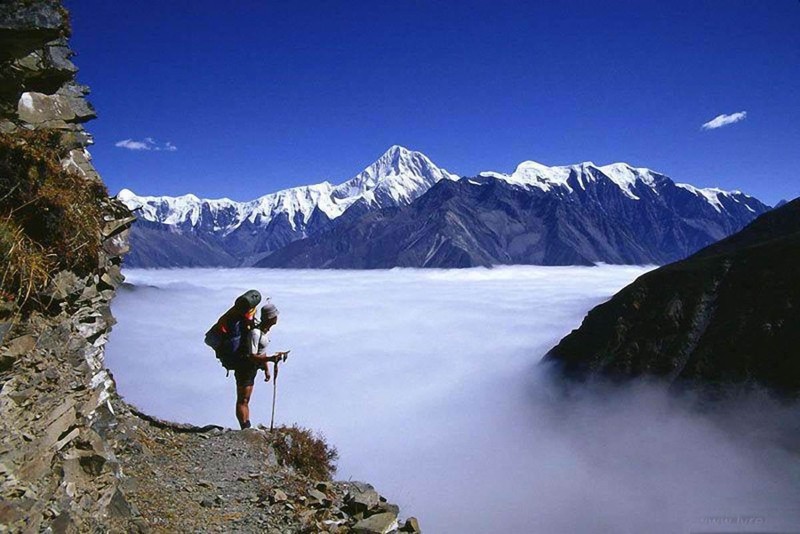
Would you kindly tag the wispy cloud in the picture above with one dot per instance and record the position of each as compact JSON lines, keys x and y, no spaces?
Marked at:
{"x":723,"y":120}
{"x":148,"y":143}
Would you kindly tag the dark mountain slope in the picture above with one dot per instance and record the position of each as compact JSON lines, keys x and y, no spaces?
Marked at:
{"x":728,"y":314}
{"x":153,"y":245}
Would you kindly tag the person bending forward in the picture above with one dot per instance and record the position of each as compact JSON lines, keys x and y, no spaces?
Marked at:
{"x":254,"y":358}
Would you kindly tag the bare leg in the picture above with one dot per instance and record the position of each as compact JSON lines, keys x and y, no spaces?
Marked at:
{"x":243,"y":404}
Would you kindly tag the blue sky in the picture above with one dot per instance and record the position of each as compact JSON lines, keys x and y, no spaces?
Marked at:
{"x":258,"y":96}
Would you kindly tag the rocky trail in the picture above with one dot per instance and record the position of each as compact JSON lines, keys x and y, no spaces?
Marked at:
{"x":183,"y":479}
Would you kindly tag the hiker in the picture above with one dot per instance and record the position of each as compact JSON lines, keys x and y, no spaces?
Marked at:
{"x":254,"y":357}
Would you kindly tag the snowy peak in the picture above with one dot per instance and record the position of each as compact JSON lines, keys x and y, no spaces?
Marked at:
{"x":627,"y":177}
{"x":399,"y":176}
{"x":718,"y":198}
{"x":173,"y":210}
{"x":630,"y":180}
{"x":534,"y":174}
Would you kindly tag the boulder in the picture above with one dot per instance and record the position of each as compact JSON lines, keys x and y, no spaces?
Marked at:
{"x":389,"y":507}
{"x":48,"y":110}
{"x":115,"y":226}
{"x":25,"y":26}
{"x":360,"y":498}
{"x":113,"y":277}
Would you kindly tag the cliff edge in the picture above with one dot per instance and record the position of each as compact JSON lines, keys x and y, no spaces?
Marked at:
{"x":74,"y":457}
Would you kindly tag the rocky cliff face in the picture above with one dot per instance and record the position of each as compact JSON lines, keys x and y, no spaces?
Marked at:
{"x":57,"y":468}
{"x":726,"y":315}
{"x":74,"y":457}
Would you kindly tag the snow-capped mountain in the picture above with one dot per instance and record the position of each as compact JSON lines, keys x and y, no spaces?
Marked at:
{"x":631,"y":181}
{"x":250,"y":230}
{"x":577,"y":214}
{"x":404,"y":210}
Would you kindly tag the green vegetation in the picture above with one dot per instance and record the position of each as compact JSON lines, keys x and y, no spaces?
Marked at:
{"x":49,"y":218}
{"x":306,"y":451}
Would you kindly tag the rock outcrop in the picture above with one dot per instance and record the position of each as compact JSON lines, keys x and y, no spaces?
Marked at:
{"x":74,"y":457}
{"x":726,"y":315}
{"x":57,"y":467}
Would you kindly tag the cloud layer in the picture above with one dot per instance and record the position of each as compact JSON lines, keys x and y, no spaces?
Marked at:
{"x":724,"y":120}
{"x":148,"y":143}
{"x":426,"y":381}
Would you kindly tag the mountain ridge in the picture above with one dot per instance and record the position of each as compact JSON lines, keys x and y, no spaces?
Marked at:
{"x":248,"y":233}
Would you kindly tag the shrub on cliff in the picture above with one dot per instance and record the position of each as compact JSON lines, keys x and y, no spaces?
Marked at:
{"x":49,"y":218}
{"x":306,"y":451}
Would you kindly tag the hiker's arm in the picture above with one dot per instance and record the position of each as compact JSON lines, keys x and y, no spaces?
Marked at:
{"x":262,"y":359}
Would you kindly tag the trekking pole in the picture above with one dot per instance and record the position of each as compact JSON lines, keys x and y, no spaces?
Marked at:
{"x":282,"y":357}
{"x":274,"y":395}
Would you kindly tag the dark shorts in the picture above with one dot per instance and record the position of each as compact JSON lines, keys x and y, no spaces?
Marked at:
{"x":245,"y":374}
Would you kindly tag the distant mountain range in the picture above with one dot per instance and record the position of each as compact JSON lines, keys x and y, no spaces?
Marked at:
{"x":403,"y":210}
{"x":725,"y":315}
{"x":189,"y":231}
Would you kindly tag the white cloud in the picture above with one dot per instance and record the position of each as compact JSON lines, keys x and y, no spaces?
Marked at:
{"x":148,"y":143}
{"x":130,"y":144}
{"x":435,"y":398}
{"x":723,"y":120}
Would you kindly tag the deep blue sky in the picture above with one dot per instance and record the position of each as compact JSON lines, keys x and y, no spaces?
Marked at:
{"x":259,"y":96}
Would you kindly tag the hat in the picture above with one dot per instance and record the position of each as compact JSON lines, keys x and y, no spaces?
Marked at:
{"x":268,"y":311}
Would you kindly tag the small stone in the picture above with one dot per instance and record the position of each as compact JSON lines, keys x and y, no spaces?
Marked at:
{"x":318,"y":496}
{"x":20,"y":346}
{"x":204,"y":484}
{"x":119,"y":507}
{"x":376,"y":524}
{"x":279,"y":496}
{"x":324,"y":486}
{"x":207,"y":503}
{"x":74,"y":433}
{"x":411,"y":525}
{"x":93,"y":464}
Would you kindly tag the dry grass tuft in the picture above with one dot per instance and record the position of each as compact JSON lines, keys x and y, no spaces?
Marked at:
{"x":49,"y":218}
{"x":306,"y":451}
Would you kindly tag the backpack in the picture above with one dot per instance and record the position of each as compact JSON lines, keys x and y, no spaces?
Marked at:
{"x":228,"y":345}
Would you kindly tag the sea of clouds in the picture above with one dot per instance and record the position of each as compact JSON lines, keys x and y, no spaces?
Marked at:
{"x":428,"y":383}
